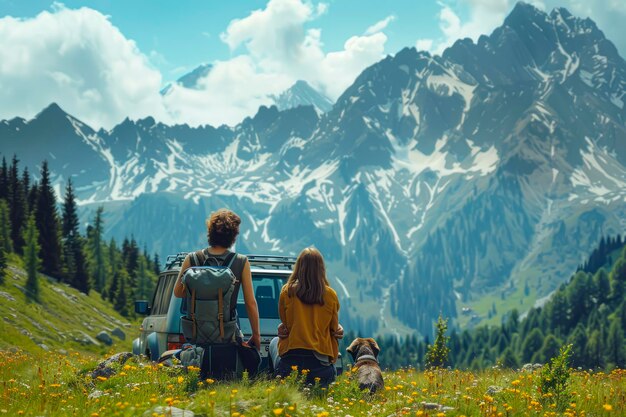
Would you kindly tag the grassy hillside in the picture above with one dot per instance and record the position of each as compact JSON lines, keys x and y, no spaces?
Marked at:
{"x":64,"y":320}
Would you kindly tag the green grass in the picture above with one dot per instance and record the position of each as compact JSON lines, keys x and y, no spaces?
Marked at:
{"x":60,"y":385}
{"x":63,"y":316}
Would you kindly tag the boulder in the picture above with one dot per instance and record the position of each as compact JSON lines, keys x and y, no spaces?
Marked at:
{"x":84,"y":339}
{"x":96,"y":394}
{"x":169,"y":411}
{"x":104,"y":338}
{"x":493,"y":390}
{"x":531,"y":367}
{"x":44,"y":347}
{"x":119,"y":333}
{"x":105,"y":369}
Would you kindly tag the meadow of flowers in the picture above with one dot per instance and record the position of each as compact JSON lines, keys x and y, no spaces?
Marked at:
{"x":61,"y":385}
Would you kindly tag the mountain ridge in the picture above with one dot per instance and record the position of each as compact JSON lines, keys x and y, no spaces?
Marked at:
{"x":524,"y":142}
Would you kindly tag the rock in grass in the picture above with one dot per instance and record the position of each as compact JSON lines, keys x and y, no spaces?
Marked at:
{"x":7,"y":296}
{"x":104,"y":338}
{"x":96,"y":394}
{"x":117,"y":332}
{"x":169,"y":411}
{"x":84,"y":339}
{"x":105,"y":368}
{"x":493,"y":389}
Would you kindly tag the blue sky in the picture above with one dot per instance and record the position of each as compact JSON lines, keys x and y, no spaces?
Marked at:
{"x":104,"y":60}
{"x":179,"y":35}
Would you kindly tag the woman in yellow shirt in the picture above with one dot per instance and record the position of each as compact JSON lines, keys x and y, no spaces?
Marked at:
{"x":309,"y":310}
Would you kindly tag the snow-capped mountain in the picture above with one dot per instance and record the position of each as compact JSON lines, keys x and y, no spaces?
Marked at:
{"x":299,"y":94}
{"x":302,"y":94}
{"x":478,"y":177}
{"x":191,"y":79}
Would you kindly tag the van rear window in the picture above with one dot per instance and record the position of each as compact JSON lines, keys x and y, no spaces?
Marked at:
{"x":266,"y":291}
{"x":163,"y":294}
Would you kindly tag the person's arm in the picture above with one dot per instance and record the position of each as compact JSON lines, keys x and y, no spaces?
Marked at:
{"x":179,"y":287}
{"x":338,"y":334}
{"x":283,"y":331}
{"x":251,"y":306}
{"x":335,"y":327}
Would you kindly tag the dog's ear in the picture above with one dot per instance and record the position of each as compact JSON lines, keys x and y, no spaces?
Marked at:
{"x":375,"y":347}
{"x":353,"y":348}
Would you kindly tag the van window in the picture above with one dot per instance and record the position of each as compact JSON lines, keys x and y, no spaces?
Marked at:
{"x":163,"y":294}
{"x":266,"y":291}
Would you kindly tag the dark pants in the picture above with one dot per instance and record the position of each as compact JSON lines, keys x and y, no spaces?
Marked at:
{"x":303,"y":359}
{"x":229,"y":361}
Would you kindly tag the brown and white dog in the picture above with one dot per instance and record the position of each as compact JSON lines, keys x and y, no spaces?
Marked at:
{"x":364,"y":352}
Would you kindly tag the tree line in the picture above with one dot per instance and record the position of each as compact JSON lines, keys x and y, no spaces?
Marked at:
{"x":47,"y":235}
{"x":588,"y":312}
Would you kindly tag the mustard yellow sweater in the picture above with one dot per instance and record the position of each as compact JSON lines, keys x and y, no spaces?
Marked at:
{"x":310,"y":326}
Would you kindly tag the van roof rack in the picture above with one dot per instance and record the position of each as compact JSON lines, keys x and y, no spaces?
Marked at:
{"x":175,"y":260}
{"x":261,"y":261}
{"x":264,"y":261}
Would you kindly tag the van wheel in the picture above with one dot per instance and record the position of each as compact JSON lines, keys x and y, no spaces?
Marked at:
{"x":148,"y":354}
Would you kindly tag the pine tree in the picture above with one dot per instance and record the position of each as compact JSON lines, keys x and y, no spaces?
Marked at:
{"x":3,"y":263}
{"x":5,"y":227}
{"x":578,"y":340}
{"x":121,"y":300}
{"x":130,"y":254}
{"x":616,"y":352}
{"x":113,"y":287}
{"x":47,"y":219}
{"x":144,"y":282}
{"x":26,"y":188}
{"x":595,"y":349}
{"x":17,"y":205}
{"x":532,"y":343}
{"x":618,"y":281}
{"x":4,"y":179}
{"x":509,"y":359}
{"x":32,"y":197}
{"x":96,"y":251}
{"x":157,"y":266}
{"x":31,"y":259}
{"x":6,"y":245}
{"x":437,"y":355}
{"x":73,"y":243}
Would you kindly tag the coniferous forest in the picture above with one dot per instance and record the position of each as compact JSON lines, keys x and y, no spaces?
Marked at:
{"x":588,"y":312}
{"x":50,"y":239}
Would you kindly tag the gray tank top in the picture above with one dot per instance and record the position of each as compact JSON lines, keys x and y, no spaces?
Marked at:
{"x":237,"y":266}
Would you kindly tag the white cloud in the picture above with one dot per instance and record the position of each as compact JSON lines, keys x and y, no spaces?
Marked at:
{"x":232,"y":90}
{"x":380,"y":25}
{"x":276,"y":49}
{"x":78,"y":59}
{"x":483,"y":16}
{"x":424,"y":44}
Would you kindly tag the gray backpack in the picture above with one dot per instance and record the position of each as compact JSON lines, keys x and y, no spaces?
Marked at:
{"x":211,"y":301}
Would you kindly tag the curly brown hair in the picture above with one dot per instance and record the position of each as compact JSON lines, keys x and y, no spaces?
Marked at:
{"x":223,"y":228}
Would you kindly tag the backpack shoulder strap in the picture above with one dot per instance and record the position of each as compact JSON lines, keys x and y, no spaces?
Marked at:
{"x":228,"y":261}
{"x":235,"y":293}
{"x":193,"y":259}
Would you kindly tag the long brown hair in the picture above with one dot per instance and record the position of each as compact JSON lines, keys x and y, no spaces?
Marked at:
{"x":308,"y":280}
